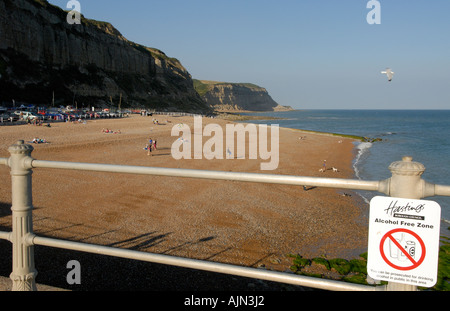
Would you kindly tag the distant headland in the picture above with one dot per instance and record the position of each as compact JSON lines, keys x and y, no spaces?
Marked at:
{"x":232,"y":97}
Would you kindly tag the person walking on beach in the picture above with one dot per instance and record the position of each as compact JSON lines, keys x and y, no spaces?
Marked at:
{"x":154,"y":144}
{"x":150,"y":145}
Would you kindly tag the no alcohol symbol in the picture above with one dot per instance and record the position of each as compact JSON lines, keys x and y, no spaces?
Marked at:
{"x":399,"y":248}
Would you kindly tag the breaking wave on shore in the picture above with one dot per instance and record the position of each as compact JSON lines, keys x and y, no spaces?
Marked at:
{"x":361,"y":151}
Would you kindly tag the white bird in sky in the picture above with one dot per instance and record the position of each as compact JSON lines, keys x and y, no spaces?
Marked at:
{"x":389,"y":73}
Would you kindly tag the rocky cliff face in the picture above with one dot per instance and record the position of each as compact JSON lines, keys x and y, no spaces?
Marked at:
{"x":236,"y":96}
{"x":90,"y":63}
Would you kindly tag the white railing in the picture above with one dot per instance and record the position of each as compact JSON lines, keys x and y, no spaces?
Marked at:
{"x":405,"y":182}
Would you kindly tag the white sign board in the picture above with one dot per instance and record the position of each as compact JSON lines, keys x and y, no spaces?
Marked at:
{"x":404,"y":241}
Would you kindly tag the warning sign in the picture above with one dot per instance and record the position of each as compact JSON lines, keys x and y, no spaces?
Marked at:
{"x":404,"y":241}
{"x":404,"y":250}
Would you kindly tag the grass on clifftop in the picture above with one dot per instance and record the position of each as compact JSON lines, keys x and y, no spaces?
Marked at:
{"x":203,"y":86}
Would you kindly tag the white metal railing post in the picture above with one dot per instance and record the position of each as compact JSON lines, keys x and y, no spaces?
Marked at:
{"x":406,"y":182}
{"x":23,"y":271}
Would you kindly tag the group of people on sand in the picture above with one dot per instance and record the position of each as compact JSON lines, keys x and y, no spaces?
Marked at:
{"x":150,"y":146}
{"x":34,"y":121}
{"x":37,"y":122}
{"x":108,"y":131}
{"x":38,"y":141}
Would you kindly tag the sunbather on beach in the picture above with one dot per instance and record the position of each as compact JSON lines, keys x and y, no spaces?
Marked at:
{"x":108,"y":131}
{"x":38,"y":141}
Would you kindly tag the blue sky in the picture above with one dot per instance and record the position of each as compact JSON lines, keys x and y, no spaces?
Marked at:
{"x":308,"y":54}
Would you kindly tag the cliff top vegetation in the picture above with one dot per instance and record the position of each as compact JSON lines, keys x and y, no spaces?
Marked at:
{"x":203,"y":86}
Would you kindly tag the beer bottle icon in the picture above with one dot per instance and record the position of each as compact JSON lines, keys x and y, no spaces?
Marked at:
{"x":408,"y":246}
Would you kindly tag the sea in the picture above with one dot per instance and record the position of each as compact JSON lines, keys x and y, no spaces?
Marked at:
{"x":422,"y":134}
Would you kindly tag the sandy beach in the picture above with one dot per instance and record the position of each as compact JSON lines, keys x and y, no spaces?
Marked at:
{"x":232,"y":222}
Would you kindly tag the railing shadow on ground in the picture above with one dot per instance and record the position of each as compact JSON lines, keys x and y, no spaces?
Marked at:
{"x":121,"y":274}
{"x":106,"y":273}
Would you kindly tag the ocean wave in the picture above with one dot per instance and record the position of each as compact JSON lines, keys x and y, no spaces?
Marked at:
{"x":387,"y":133}
{"x":362,"y":149}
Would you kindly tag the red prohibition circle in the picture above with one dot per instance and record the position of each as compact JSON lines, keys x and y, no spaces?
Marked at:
{"x":415,"y":264}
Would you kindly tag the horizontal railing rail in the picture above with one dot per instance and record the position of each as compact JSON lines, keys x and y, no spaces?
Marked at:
{"x":5,"y":235}
{"x":203,"y":265}
{"x":217,"y":175}
{"x":24,"y":239}
{"x":339,"y":183}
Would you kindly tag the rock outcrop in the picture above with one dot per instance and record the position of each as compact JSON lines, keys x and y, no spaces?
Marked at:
{"x":223,"y":96}
{"x":91,"y":63}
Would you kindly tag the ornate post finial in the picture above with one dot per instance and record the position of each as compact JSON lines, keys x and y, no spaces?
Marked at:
{"x":23,"y":273}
